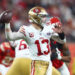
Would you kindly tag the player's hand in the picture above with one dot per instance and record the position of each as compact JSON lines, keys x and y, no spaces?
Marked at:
{"x":22,"y":30}
{"x":6,"y":16}
{"x":58,"y":28}
{"x":59,"y":54}
{"x":56,"y":23}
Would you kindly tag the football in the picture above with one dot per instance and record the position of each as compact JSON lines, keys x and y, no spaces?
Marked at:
{"x":6,"y":16}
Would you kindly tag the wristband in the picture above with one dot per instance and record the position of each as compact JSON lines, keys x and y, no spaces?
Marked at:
{"x":61,"y":35}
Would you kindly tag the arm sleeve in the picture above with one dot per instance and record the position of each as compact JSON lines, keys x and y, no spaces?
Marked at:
{"x":56,"y":37}
{"x":12,"y":35}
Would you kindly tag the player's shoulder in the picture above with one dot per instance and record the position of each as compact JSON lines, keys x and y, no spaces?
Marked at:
{"x":25,"y":27}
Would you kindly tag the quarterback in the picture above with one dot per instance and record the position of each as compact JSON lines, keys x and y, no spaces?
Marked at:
{"x":37,"y":37}
{"x":60,"y":55}
{"x":22,"y":59}
{"x":22,"y":50}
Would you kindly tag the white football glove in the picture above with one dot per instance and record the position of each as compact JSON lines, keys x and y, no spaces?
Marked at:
{"x":59,"y":54}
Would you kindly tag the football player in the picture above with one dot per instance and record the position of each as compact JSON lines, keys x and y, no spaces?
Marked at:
{"x":22,"y":55}
{"x":22,"y":50}
{"x":54,"y":47}
{"x":55,"y":20}
{"x":37,"y":37}
{"x":60,"y":55}
{"x":7,"y":55}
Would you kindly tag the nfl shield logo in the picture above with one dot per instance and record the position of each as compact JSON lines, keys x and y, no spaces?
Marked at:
{"x":48,"y":34}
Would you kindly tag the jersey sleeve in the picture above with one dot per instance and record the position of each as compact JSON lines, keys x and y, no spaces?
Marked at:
{"x":15,"y":36}
{"x":12,"y":35}
{"x":58,"y":39}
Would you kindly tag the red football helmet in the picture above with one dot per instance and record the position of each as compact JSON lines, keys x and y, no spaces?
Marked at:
{"x":56,"y":21}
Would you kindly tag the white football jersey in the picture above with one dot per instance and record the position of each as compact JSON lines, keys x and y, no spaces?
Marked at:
{"x":39,"y":41}
{"x":3,"y":69}
{"x":21,"y":49}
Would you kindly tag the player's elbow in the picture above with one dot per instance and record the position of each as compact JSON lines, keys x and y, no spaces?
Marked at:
{"x":69,"y":58}
{"x":9,"y":37}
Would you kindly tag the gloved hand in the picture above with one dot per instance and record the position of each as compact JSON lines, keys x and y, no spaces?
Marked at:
{"x":59,"y":54}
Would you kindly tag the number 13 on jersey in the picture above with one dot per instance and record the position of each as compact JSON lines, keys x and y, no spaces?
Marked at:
{"x":45,"y":52}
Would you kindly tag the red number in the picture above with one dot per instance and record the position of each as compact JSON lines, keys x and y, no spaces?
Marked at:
{"x":22,"y":44}
{"x":39,"y":48}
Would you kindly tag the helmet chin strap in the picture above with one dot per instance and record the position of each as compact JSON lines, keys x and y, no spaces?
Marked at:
{"x":34,"y":20}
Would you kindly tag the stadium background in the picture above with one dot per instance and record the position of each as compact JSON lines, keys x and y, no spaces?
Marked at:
{"x":64,"y":9}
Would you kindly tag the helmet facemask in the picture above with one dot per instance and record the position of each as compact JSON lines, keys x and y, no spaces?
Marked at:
{"x":35,"y":19}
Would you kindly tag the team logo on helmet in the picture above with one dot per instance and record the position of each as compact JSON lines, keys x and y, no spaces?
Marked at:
{"x":37,"y":10}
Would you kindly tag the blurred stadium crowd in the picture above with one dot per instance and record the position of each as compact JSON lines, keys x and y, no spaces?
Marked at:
{"x":64,"y":9}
